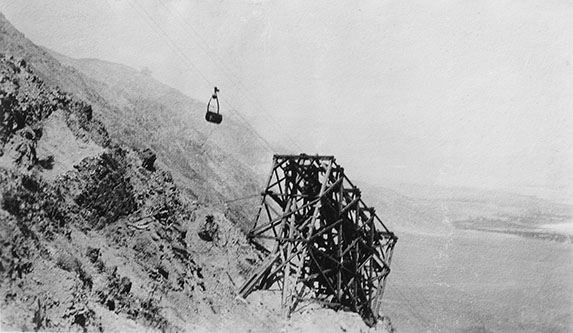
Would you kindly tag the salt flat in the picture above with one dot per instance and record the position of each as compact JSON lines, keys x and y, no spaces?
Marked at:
{"x":566,"y":228}
{"x":471,"y":281}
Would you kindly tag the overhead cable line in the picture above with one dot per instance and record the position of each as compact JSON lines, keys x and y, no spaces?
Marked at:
{"x":250,"y":126}
{"x":234,"y":79}
{"x":244,"y":198}
{"x":170,"y":42}
{"x":174,"y":47}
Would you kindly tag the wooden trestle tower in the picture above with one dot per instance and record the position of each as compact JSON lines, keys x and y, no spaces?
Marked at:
{"x":323,"y":243}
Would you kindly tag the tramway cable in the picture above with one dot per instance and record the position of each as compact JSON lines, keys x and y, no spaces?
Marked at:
{"x":174,"y":47}
{"x":233,"y":78}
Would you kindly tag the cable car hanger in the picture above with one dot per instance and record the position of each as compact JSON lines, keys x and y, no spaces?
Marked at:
{"x":213,"y":115}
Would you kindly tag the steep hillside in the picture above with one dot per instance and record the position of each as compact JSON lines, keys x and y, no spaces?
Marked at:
{"x":97,"y":236}
{"x":61,"y":233}
{"x":161,"y":109}
{"x":173,"y":125}
{"x":150,"y":115}
{"x":140,"y":97}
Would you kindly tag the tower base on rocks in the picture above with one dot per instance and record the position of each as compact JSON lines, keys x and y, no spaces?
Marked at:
{"x":323,"y":243}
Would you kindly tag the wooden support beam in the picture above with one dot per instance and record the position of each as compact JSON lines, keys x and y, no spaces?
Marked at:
{"x":315,"y":275}
{"x":350,"y":205}
{"x":327,"y":243}
{"x":268,"y":225}
{"x":321,"y":272}
{"x":314,"y":216}
{"x":249,"y":284}
{"x":324,"y":230}
{"x":263,"y":198}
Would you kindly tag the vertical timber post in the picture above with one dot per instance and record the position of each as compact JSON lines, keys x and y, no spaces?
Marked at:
{"x":323,"y":244}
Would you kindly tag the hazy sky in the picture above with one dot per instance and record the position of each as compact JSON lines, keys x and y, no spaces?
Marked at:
{"x":475,"y":93}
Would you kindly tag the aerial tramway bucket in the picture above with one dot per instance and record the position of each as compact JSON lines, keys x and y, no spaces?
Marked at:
{"x":213,"y":115}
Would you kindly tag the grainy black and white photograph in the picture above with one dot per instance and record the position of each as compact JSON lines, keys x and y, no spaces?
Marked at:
{"x":286,"y":166}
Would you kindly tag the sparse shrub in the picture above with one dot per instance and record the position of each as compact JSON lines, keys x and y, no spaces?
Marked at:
{"x":26,"y":154}
{"x":87,"y":112}
{"x":80,"y":312}
{"x":86,"y":279}
{"x":148,"y":158}
{"x":38,"y":207}
{"x":94,"y":255}
{"x":23,"y":199}
{"x":47,"y":163}
{"x":145,"y":247}
{"x":72,"y":264}
{"x":108,"y":194}
{"x":11,"y":119}
{"x":116,"y":295}
{"x":210,"y":230}
{"x":11,"y":204}
{"x":29,"y":183}
{"x":18,"y":267}
{"x":39,"y":320}
{"x":19,"y":202}
{"x":54,"y":211}
{"x":125,"y":285}
{"x":150,"y":312}
{"x":68,"y":263}
{"x":81,"y":318}
{"x":100,"y":265}
{"x":159,"y":272}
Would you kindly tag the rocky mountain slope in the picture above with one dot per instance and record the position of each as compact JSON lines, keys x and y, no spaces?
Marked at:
{"x":140,"y":97}
{"x":99,"y":233}
{"x":142,"y":113}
